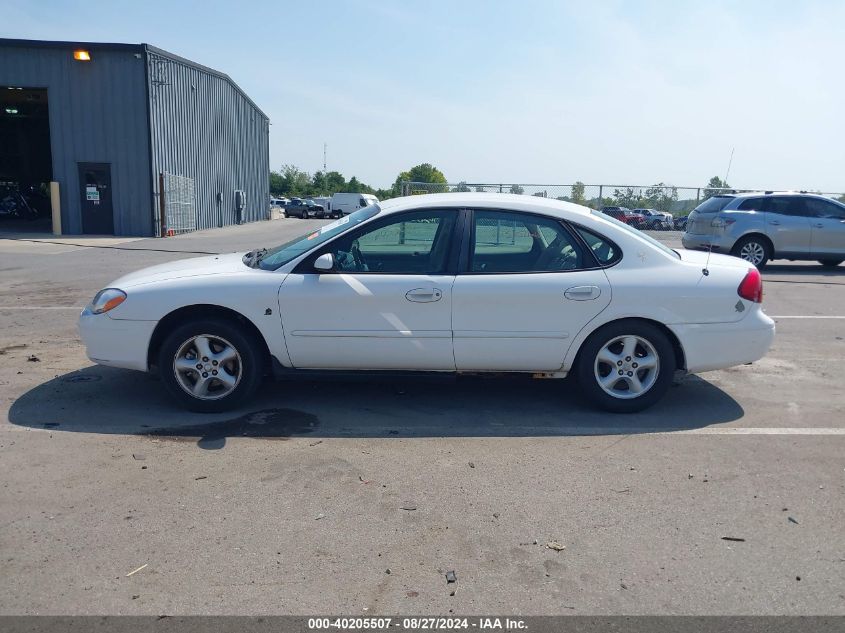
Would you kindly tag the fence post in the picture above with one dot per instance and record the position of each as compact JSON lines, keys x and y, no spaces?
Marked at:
{"x":162,"y":230}
{"x":697,"y":195}
{"x":601,"y":200}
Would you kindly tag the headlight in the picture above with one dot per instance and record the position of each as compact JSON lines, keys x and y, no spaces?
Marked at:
{"x":107,"y":299}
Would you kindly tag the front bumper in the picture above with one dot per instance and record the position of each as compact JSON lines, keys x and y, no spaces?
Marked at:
{"x":709,"y":346}
{"x":116,"y":342}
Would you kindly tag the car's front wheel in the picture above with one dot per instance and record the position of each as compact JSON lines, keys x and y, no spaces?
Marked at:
{"x":626,"y":366}
{"x":210,"y":365}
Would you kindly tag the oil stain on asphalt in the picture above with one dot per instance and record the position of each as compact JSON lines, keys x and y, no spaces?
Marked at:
{"x":271,"y":424}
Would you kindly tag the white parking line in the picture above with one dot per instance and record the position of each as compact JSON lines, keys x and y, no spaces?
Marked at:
{"x":2,"y":308}
{"x":793,"y":316}
{"x":727,"y":430}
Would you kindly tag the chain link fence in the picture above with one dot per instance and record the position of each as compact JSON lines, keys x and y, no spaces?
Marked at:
{"x":678,"y":201}
{"x":177,"y":204}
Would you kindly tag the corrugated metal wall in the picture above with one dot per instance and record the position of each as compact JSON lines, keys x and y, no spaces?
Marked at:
{"x":204,"y":128}
{"x":98,"y":114}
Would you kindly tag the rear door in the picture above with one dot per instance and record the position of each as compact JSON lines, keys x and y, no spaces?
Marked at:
{"x":788,"y":225}
{"x":527,"y":288}
{"x":827,"y":224}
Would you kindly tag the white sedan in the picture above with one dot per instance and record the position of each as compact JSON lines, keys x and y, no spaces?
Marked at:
{"x":438,"y":283}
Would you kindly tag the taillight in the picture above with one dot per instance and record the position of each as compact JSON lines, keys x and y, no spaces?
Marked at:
{"x":751,"y":286}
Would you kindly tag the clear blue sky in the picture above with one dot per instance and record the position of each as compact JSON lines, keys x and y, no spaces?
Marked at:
{"x":543,"y":92}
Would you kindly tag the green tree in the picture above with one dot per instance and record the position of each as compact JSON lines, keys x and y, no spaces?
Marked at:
{"x":461,"y":187}
{"x":517,"y":189}
{"x":661,"y":197}
{"x":424,"y":173}
{"x":627,"y":197}
{"x":713,"y":187}
{"x":577,"y":193}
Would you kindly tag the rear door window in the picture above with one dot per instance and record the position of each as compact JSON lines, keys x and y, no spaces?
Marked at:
{"x":786,"y":205}
{"x":511,"y":242}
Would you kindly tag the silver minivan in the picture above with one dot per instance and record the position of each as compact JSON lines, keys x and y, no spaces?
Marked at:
{"x":761,"y":226}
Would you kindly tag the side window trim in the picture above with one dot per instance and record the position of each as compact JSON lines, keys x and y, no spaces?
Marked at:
{"x":465,"y":267}
{"x":306,"y":266}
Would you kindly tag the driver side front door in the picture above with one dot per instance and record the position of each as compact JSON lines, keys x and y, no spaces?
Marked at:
{"x":386,"y":305}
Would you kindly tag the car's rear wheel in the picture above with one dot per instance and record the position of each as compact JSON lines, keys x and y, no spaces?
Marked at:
{"x":752,"y":249}
{"x":831,"y":263}
{"x":626,"y":366}
{"x":210,"y":365}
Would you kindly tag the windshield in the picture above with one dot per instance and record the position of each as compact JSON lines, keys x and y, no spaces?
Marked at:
{"x":638,"y":233}
{"x":289,"y":251}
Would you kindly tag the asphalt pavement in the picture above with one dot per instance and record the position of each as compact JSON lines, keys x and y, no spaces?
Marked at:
{"x":357,"y":495}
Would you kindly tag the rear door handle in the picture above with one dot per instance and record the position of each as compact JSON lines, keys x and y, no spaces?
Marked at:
{"x":819,"y":225}
{"x":424,"y":295}
{"x":775,"y":222}
{"x":582,"y":293}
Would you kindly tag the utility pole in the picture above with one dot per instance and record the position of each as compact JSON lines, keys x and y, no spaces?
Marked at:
{"x":325,"y":180}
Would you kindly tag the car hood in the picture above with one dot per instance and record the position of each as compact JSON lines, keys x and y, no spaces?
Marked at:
{"x":194,"y":267}
{"x":715,"y":259}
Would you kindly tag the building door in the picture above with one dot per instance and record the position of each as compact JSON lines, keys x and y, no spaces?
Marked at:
{"x":95,"y":193}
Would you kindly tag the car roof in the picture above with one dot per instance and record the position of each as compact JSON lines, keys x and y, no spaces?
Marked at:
{"x":517,"y":202}
{"x":757,"y":194}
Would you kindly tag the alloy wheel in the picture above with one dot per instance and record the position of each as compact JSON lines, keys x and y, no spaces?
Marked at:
{"x":753,"y":252}
{"x":627,"y":366}
{"x":207,"y":367}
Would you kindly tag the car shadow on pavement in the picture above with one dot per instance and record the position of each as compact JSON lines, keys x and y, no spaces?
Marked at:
{"x":112,"y":401}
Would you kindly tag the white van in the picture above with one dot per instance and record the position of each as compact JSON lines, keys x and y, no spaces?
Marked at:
{"x":346,"y":203}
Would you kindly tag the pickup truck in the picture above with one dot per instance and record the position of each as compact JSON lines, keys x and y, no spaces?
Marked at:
{"x":304,"y":209}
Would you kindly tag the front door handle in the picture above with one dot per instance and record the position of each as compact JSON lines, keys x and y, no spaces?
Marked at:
{"x":424,"y":295}
{"x":819,"y":225}
{"x":582,"y":293}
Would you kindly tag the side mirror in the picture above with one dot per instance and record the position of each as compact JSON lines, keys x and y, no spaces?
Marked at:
{"x":324,"y":263}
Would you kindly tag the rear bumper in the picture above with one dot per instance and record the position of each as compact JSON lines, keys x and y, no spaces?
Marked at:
{"x":116,"y":342}
{"x":716,"y":243}
{"x":721,"y":345}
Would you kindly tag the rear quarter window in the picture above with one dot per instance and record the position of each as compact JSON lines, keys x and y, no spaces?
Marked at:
{"x":714,"y":204}
{"x":606,"y":252}
{"x":752,"y":204}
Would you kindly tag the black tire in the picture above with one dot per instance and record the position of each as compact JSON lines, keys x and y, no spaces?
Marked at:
{"x":752,"y":242}
{"x":251,"y":363}
{"x":587,"y":365}
{"x":831,"y":263}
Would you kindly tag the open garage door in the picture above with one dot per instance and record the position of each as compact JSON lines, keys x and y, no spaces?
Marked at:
{"x":26,"y":165}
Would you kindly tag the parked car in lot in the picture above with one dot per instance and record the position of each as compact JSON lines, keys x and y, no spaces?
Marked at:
{"x":346,"y":203}
{"x":759,"y":227}
{"x":623,"y":214}
{"x":655,"y":220}
{"x":458,"y":282}
{"x":299,"y":208}
{"x":680,"y":223}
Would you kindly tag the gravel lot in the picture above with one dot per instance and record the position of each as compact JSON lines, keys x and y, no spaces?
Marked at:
{"x":357,"y":496}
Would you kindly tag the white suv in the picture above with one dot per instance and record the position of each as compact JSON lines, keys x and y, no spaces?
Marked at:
{"x":761,"y":226}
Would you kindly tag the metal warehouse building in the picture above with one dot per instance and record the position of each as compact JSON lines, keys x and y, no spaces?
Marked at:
{"x":139,"y":141}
